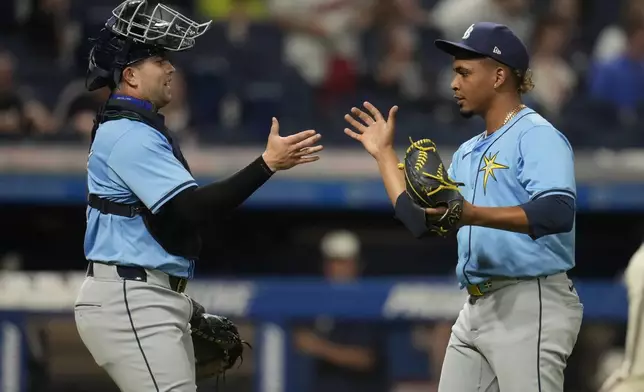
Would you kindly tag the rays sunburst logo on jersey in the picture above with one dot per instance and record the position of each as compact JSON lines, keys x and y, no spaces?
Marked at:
{"x":489,"y":166}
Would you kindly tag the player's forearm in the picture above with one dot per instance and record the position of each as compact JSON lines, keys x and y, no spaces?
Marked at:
{"x":213,"y":201}
{"x":551,"y":214}
{"x":354,"y":357}
{"x":503,"y":218}
{"x":393,"y":178}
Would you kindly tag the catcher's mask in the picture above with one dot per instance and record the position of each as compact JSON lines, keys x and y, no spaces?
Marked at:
{"x":137,"y":31}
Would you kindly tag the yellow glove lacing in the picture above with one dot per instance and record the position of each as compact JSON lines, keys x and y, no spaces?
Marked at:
{"x":425,"y":145}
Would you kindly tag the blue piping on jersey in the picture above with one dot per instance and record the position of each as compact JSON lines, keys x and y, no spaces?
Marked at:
{"x":469,"y":239}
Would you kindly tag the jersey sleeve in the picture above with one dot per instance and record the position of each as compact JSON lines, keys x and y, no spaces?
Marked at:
{"x":143,"y":159}
{"x":546,"y":163}
{"x":451,"y":169}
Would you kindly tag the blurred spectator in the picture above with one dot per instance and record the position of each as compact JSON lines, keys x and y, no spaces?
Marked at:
{"x":11,"y":261}
{"x":555,"y":79}
{"x":341,"y":256}
{"x":397,"y":69}
{"x":347,"y":354}
{"x":613,"y":39}
{"x":237,"y":14}
{"x":76,"y":110}
{"x":439,"y":335}
{"x":334,"y":50}
{"x":569,"y":15}
{"x":20,"y":114}
{"x":433,"y":339}
{"x":567,"y":11}
{"x":52,"y":32}
{"x":223,"y":9}
{"x":38,"y":358}
{"x":9,"y":16}
{"x":453,"y":17}
{"x":620,"y":81}
{"x":322,"y":41}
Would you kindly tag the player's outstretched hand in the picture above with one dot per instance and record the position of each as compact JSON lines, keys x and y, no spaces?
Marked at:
{"x":374,"y":131}
{"x":282,"y":153}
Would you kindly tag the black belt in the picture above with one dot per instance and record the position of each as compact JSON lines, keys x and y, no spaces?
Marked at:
{"x":138,"y":273}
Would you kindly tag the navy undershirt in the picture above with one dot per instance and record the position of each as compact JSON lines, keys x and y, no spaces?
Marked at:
{"x":550,"y":214}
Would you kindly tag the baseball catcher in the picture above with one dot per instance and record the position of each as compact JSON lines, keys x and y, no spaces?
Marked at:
{"x":145,"y":211}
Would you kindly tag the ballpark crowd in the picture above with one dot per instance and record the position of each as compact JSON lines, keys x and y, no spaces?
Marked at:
{"x":307,"y":61}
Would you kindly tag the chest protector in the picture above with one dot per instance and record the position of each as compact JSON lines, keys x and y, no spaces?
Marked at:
{"x":177,"y":237}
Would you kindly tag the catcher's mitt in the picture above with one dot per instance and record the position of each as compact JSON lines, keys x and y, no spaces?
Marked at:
{"x":429,"y":186}
{"x":216,"y":342}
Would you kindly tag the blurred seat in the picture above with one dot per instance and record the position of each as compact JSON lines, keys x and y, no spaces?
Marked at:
{"x":207,"y":88}
{"x":297,"y":104}
{"x":591,"y":123}
{"x":207,"y":69}
{"x":259,"y":73}
{"x":429,"y":55}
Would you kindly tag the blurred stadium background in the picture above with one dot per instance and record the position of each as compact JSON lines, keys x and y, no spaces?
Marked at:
{"x":317,"y":249}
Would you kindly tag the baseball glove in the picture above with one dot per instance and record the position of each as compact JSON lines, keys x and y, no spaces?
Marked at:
{"x":217,"y":343}
{"x":429,"y":186}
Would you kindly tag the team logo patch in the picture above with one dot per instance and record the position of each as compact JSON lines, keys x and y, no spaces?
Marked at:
{"x":489,"y":166}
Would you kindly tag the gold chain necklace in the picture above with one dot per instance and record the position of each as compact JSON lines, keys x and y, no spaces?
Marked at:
{"x":510,"y":115}
{"x":513,"y":113}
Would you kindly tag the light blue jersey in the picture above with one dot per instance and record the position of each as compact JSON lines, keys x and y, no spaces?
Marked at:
{"x":128,"y":162}
{"x":526,"y":159}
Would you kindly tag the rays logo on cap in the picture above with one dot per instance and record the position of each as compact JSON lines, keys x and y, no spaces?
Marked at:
{"x":468,"y":32}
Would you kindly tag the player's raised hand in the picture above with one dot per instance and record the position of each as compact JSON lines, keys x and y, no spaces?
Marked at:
{"x":374,"y":131}
{"x":282,"y":153}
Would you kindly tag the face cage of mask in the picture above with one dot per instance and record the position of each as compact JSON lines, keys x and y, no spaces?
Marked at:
{"x":163,"y":26}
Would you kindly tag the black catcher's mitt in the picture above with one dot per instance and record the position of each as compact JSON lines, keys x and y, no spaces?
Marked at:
{"x":429,"y":186}
{"x":216,"y":342}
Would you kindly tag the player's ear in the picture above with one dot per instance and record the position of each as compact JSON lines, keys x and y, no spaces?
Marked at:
{"x":129,"y":77}
{"x":500,"y":77}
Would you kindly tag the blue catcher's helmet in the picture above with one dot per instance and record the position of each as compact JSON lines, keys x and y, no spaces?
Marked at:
{"x":137,"y":31}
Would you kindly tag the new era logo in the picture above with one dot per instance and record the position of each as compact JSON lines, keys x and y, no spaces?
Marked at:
{"x":496,"y":50}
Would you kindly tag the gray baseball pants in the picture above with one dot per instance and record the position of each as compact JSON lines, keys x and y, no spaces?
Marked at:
{"x":515,"y":339}
{"x":137,"y":331}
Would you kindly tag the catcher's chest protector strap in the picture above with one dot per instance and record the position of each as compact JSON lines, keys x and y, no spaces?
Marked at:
{"x":112,"y":208}
{"x":173,"y":235}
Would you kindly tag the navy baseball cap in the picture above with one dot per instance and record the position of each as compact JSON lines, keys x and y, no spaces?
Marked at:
{"x":491,"y":40}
